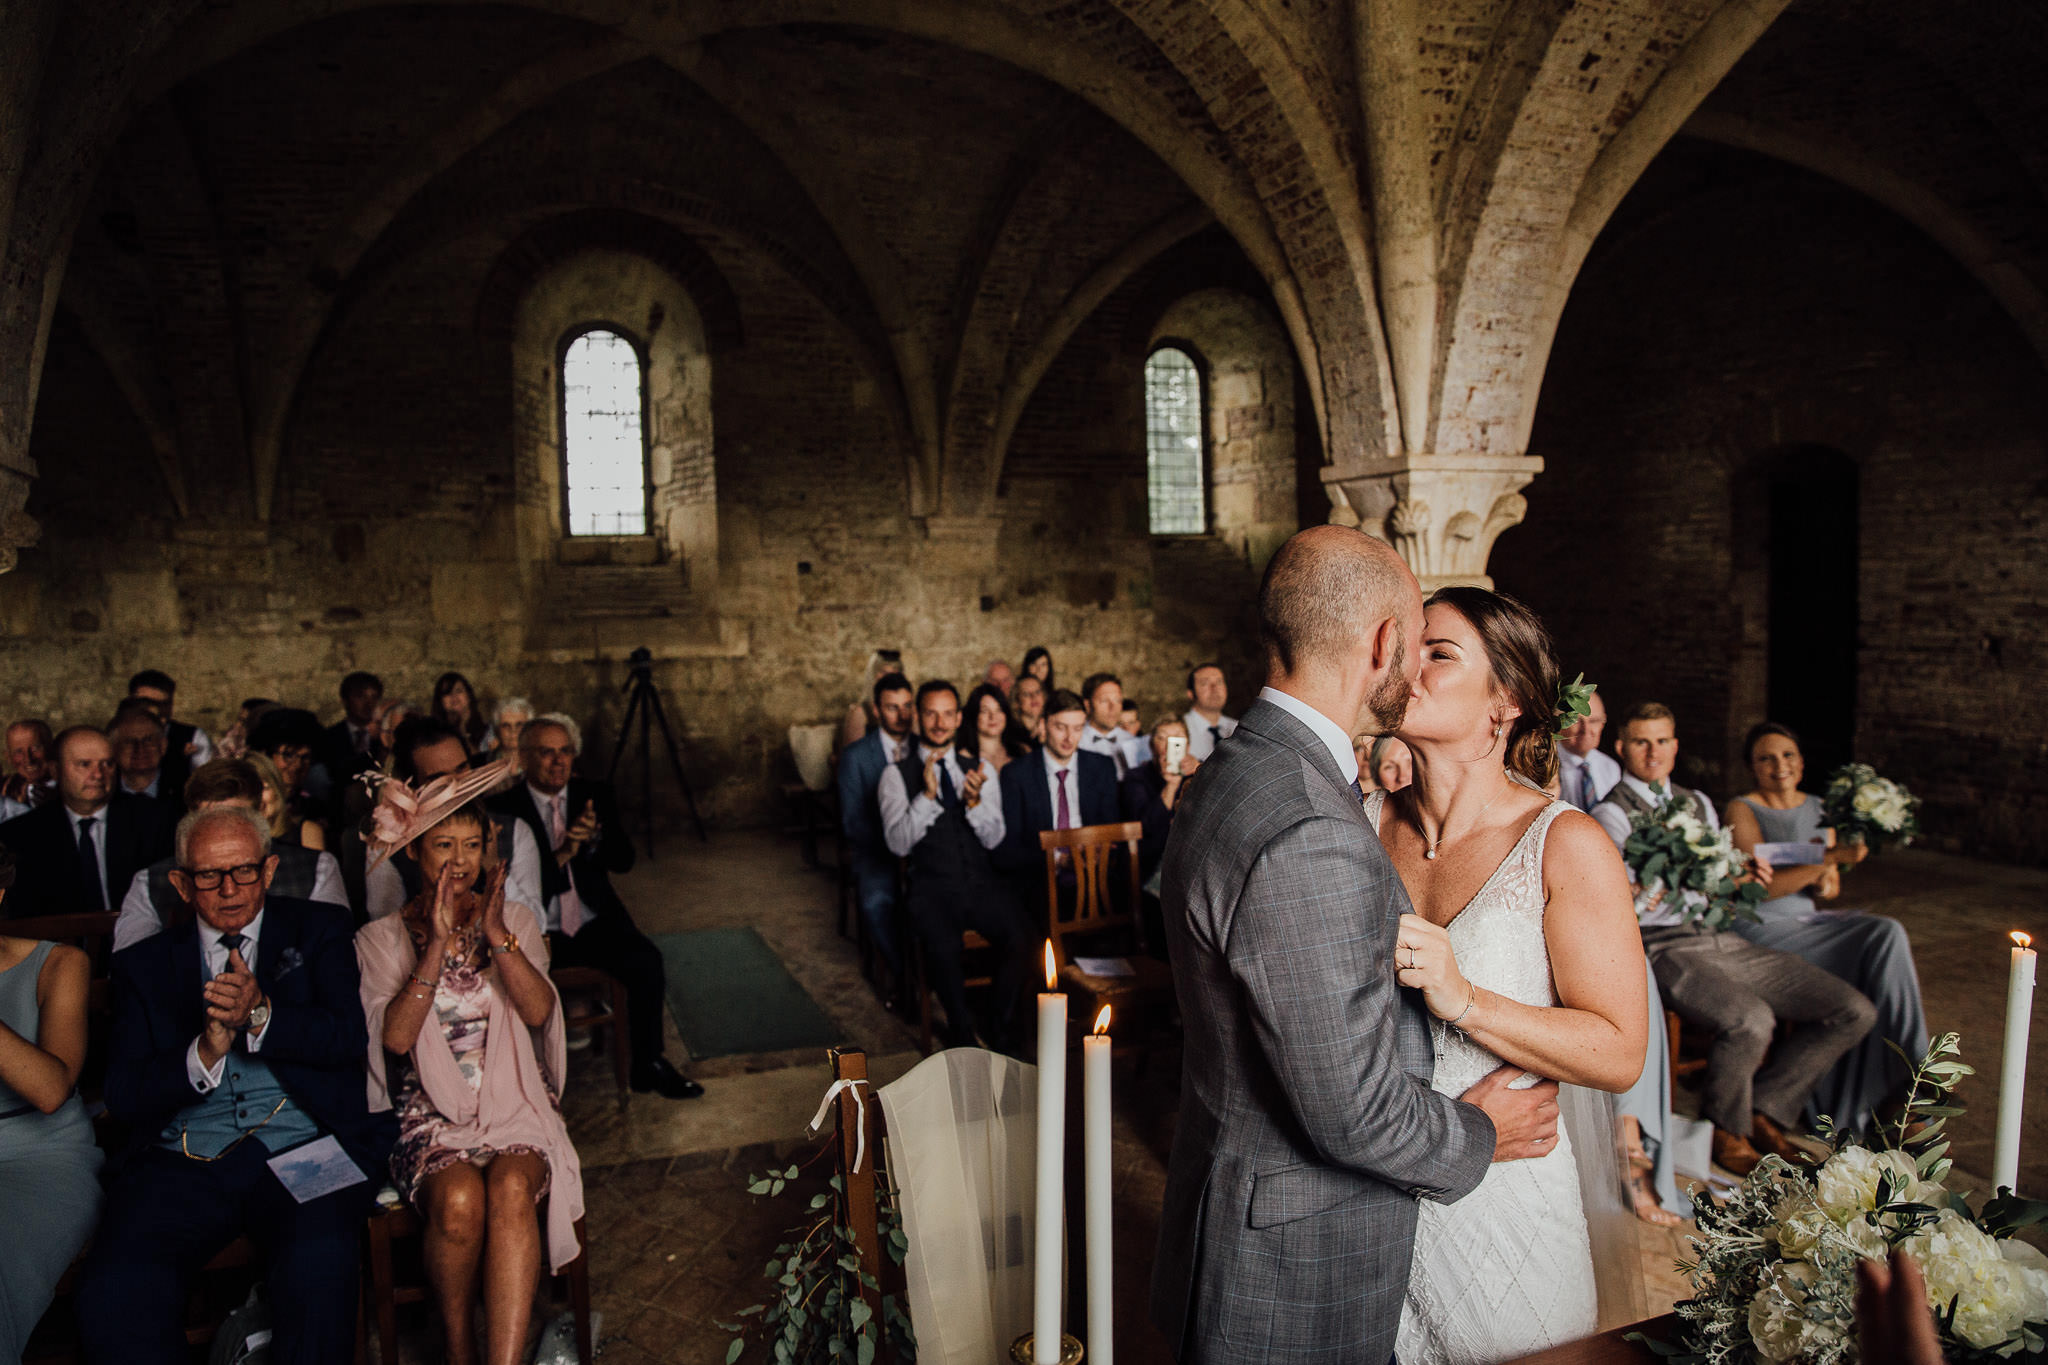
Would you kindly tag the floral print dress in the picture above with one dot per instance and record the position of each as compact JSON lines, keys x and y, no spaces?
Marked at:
{"x":462,"y":1008}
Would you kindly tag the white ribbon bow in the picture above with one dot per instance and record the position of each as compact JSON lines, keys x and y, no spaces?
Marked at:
{"x":860,"y":1111}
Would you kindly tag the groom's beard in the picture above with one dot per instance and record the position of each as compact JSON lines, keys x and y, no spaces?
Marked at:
{"x":1388,"y":705}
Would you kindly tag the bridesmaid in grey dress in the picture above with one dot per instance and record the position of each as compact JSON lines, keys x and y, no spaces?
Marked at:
{"x":1871,"y":952}
{"x":49,"y":1167}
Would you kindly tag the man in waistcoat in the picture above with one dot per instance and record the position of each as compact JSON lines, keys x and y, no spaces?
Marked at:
{"x":944,"y":814}
{"x":303,"y":874}
{"x":238,"y":1037}
{"x":1723,"y":984}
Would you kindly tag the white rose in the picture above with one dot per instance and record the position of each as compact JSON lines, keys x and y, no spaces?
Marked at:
{"x":1865,"y":801}
{"x":2032,"y":1271}
{"x":1778,"y":1325}
{"x":1847,"y":1184}
{"x":1967,"y":1268}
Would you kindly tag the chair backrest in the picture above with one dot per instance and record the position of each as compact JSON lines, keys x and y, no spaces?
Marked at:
{"x":1093,"y":908}
{"x":92,"y":931}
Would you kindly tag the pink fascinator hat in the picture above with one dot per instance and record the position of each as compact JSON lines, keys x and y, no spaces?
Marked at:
{"x":403,"y":814}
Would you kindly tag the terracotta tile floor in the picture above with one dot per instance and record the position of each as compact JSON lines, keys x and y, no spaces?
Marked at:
{"x":677,"y":1243}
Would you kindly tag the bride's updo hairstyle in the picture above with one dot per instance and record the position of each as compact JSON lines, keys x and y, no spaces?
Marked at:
{"x":1524,"y":665}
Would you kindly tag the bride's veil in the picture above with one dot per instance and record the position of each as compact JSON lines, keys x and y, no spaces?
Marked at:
{"x":1591,"y":1122}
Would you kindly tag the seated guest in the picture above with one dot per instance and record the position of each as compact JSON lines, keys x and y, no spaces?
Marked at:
{"x":1584,"y":774}
{"x":49,"y":1167}
{"x":287,"y":828}
{"x":152,"y":901}
{"x":859,"y":718}
{"x":938,"y":813}
{"x":1104,"y":734}
{"x":507,"y":721}
{"x":421,"y":751}
{"x":79,"y":852}
{"x":1208,"y":694}
{"x":996,"y":737}
{"x":292,"y":739}
{"x":142,"y":757}
{"x":1719,"y":982}
{"x":1000,"y":678}
{"x":352,"y":745}
{"x":1151,"y":792}
{"x":1129,"y":723}
{"x":457,"y":983}
{"x":1063,"y":787}
{"x":1027,"y":701}
{"x":1392,"y":766}
{"x":1038,"y":664}
{"x":234,"y":741}
{"x":237,"y":1037}
{"x":455,"y":706}
{"x":1870,"y":952}
{"x":188,"y":741}
{"x":861,"y":765}
{"x":575,"y":825}
{"x":32,"y":776}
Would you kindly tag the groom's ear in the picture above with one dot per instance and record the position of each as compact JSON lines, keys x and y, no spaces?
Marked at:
{"x":1386,"y":641}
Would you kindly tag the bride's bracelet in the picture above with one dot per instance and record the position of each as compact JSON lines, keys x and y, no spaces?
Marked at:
{"x":1468,"y":1005}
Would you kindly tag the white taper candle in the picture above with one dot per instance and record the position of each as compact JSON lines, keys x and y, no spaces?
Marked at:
{"x":2012,"y":1075}
{"x":1101,"y":1216}
{"x":1052,"y":1133}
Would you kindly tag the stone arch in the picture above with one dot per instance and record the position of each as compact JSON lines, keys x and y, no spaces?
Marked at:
{"x":1249,"y":385}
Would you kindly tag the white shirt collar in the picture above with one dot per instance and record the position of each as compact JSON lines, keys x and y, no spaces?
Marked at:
{"x":1053,"y":765}
{"x":209,"y":939}
{"x":1644,"y":789}
{"x":546,"y":799}
{"x":99,"y":816}
{"x":1328,"y":731}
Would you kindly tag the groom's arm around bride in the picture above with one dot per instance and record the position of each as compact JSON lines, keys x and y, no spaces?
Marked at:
{"x":1307,"y":1126}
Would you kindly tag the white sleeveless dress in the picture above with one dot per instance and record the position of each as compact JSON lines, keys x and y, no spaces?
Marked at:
{"x":1508,"y":1269}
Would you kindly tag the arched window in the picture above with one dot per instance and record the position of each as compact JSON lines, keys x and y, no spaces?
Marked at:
{"x":1173,"y":443}
{"x":604,"y":435}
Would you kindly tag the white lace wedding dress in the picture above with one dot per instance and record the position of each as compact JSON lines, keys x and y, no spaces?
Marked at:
{"x":1508,"y":1269}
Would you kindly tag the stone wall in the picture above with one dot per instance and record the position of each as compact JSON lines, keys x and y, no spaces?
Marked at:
{"x":1738,"y":308}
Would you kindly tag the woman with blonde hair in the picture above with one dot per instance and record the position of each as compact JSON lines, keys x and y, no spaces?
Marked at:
{"x":457,"y":983}
{"x":286,"y":825}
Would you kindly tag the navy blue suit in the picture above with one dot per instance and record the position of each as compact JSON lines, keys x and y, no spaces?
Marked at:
{"x":167,"y":1213}
{"x":861,"y":766}
{"x":1028,"y":810}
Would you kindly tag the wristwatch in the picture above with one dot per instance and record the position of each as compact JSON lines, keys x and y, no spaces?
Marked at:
{"x":259,"y":1018}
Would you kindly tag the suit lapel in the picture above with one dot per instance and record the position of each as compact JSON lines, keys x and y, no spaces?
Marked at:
{"x":1269,"y":721}
{"x":188,"y":975}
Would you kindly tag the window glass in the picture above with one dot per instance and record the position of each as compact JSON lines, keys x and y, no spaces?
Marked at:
{"x":1173,"y":443}
{"x":604,"y":442}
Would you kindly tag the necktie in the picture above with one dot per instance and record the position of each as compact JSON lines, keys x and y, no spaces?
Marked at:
{"x":571,"y":906}
{"x":1585,"y":799}
{"x":1215,"y":737}
{"x":1358,"y":790}
{"x":949,"y":796}
{"x":89,"y":884}
{"x":1063,"y":814}
{"x":231,"y":943}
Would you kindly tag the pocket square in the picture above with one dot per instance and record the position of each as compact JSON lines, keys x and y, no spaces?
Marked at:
{"x":289,"y":961}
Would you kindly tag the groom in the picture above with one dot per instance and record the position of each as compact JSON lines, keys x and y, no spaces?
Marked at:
{"x":1307,"y":1126}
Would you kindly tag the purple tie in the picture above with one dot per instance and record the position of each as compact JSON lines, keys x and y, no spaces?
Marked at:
{"x":1063,"y":816}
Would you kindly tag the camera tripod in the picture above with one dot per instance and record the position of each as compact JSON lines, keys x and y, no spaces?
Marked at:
{"x":645,"y":702}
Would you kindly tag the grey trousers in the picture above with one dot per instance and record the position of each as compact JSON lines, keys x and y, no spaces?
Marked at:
{"x":1723,"y":982}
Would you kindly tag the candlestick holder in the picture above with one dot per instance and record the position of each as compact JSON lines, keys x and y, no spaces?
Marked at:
{"x":1020,"y":1350}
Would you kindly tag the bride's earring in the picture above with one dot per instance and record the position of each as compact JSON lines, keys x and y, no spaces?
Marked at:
{"x":1496,"y":732}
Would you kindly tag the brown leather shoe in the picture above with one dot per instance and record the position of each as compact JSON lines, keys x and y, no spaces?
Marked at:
{"x":1734,"y":1154}
{"x":1766,"y":1135}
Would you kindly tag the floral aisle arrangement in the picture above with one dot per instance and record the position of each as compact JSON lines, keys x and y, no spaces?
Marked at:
{"x":1865,"y":808}
{"x":1775,"y":1274}
{"x":1695,"y":865}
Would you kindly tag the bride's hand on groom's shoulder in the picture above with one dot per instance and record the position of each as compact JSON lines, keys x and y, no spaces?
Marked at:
{"x":1425,"y":960}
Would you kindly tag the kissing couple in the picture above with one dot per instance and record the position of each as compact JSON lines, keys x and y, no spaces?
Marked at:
{"x":1383,"y":994}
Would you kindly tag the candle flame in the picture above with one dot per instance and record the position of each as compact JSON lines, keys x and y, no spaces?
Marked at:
{"x":2022,"y":940}
{"x":1102,"y":1022}
{"x":1052,"y":977}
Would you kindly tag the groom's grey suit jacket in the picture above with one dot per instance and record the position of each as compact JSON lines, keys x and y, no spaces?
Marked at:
{"x":1307,"y":1126}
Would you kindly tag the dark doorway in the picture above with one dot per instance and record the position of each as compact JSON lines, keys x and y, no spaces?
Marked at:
{"x":1813,"y":502}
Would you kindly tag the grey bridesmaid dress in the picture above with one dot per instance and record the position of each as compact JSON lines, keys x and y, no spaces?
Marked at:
{"x":49,"y":1177}
{"x":1870,"y":952}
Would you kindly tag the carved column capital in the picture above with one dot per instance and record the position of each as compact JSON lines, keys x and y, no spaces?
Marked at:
{"x":18,"y":530}
{"x":1442,"y":512}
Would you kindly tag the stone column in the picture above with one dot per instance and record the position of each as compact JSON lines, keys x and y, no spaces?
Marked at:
{"x":1442,"y":512}
{"x":18,"y":530}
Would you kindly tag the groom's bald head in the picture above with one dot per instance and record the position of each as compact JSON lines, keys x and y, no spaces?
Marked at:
{"x":1328,"y":589}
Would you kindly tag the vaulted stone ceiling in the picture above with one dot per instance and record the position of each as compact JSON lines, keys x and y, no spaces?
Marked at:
{"x":206,"y":187}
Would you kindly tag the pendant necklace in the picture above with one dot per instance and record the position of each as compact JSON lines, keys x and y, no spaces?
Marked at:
{"x":1430,"y":852}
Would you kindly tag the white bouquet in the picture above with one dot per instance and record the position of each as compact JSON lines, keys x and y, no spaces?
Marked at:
{"x":1695,"y":864}
{"x":1775,"y":1274}
{"x":1867,"y":809}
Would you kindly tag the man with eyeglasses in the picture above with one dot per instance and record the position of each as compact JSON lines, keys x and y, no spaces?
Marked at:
{"x":238,"y":1037}
{"x":575,"y":825}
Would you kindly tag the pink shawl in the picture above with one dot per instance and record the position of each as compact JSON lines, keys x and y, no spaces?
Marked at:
{"x":512,"y":1107}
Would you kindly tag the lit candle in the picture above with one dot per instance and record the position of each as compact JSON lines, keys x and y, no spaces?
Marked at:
{"x":2012,"y":1076}
{"x":1052,"y":1135}
{"x":1095,"y":1153}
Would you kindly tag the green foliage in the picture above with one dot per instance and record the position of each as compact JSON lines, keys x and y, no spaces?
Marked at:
{"x":1574,"y":702}
{"x":1695,"y":864}
{"x":814,"y":1313}
{"x":1864,"y":808}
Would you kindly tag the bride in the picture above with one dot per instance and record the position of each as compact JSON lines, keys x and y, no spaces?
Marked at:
{"x":1525,"y":948}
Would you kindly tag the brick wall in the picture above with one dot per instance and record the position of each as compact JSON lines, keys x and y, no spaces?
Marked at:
{"x":1738,"y":308}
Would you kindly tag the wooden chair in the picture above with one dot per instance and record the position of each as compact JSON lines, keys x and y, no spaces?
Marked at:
{"x":608,"y":1014}
{"x":55,"y":1341}
{"x":1093,"y":911}
{"x":1682,"y":1066}
{"x":970,"y":942}
{"x":382,"y":1292}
